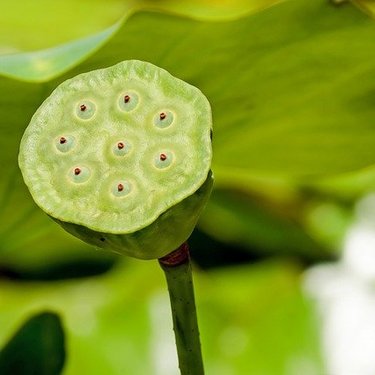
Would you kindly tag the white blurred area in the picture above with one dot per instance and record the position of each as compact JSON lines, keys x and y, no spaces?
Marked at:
{"x":163,"y":349}
{"x":345,"y":294}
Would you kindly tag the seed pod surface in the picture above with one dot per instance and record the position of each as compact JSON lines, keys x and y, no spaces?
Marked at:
{"x":120,"y":157}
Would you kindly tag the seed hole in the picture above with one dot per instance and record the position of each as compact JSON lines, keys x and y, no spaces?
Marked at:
{"x":128,"y":101}
{"x":121,"y":188}
{"x":85,"y":109}
{"x":65,"y":143}
{"x":163,"y":159}
{"x":121,"y":148}
{"x":163,"y":119}
{"x":79,"y":174}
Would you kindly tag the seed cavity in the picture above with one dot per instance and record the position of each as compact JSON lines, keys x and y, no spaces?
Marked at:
{"x":121,"y":189}
{"x":163,"y":119}
{"x":128,"y":101}
{"x":79,"y":174}
{"x":85,"y":109}
{"x":121,"y":148}
{"x":163,"y":159}
{"x":65,"y":143}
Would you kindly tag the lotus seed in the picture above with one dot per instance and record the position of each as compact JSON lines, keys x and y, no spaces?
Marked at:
{"x":80,"y":174}
{"x":121,"y":189}
{"x":128,"y":101}
{"x":121,"y":148}
{"x":85,"y":110}
{"x":163,"y":160}
{"x":163,"y":119}
{"x":65,"y":144}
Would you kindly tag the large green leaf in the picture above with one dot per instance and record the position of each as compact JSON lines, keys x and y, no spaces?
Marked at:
{"x":288,"y":102}
{"x":367,"y":6}
{"x":46,"y":64}
{"x":209,"y":10}
{"x":37,"y":348}
{"x":27,"y":26}
{"x":235,"y":218}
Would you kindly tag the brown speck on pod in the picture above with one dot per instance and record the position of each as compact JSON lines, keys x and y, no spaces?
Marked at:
{"x":126,"y":98}
{"x":62,"y":140}
{"x":163,"y":116}
{"x":163,"y":157}
{"x":120,"y":187}
{"x":77,"y":171}
{"x":120,"y":145}
{"x":82,"y":107}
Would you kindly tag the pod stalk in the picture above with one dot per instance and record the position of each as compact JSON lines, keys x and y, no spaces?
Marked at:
{"x":178,"y":273}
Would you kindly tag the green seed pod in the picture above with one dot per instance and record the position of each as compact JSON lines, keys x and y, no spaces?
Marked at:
{"x":120,"y":157}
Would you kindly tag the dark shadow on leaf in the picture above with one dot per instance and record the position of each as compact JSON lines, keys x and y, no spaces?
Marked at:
{"x":37,"y":348}
{"x":72,"y":269}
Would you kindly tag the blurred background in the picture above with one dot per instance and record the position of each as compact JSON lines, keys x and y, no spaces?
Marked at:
{"x":284,"y":254}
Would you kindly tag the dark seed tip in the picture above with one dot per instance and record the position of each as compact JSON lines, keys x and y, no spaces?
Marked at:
{"x":62,"y":140}
{"x":82,"y":107}
{"x":162,"y":116}
{"x":126,"y":98}
{"x":163,"y":157}
{"x":120,"y":187}
{"x":77,"y":171}
{"x":120,"y":145}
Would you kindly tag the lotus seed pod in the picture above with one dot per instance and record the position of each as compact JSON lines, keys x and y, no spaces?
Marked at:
{"x":120,"y":157}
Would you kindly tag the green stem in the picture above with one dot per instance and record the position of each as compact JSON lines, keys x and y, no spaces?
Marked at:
{"x":177,"y":270}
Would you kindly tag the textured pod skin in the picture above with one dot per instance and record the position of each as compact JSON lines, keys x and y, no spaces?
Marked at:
{"x":120,"y":157}
{"x":157,"y":239}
